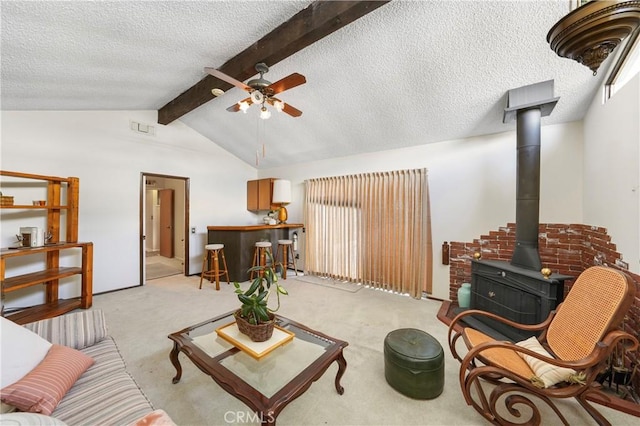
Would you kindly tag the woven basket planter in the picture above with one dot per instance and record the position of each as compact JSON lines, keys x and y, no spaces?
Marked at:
{"x":257,"y":333}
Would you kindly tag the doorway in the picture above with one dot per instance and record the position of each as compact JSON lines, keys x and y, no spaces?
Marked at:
{"x":164,"y":224}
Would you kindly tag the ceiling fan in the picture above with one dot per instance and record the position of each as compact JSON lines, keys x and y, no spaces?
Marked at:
{"x":262,"y":91}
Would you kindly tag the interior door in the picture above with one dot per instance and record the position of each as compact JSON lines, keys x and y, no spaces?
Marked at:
{"x":166,"y":222}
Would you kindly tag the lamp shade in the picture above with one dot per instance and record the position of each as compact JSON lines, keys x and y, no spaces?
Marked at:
{"x":281,"y":191}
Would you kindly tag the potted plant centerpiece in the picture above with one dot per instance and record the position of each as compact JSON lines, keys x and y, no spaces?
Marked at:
{"x":255,"y":318}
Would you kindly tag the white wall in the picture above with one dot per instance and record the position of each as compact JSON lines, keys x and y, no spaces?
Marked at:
{"x":612,"y":169}
{"x":471,"y":181}
{"x":100,"y":149}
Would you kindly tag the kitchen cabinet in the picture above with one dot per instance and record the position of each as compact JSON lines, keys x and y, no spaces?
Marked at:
{"x":61,"y":205}
{"x":259,"y":193}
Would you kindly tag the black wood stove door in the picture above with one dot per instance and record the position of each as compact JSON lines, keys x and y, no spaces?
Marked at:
{"x":499,"y":298}
{"x":515,"y":293}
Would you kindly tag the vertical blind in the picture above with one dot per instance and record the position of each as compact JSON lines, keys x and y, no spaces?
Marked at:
{"x":372,"y":228}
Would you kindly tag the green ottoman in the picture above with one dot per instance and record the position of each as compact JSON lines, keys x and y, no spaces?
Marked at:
{"x":414,"y":363}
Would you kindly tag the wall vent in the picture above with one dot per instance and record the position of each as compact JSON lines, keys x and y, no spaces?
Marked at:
{"x":142,"y":128}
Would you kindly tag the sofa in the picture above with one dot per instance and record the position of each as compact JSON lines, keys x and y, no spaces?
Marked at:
{"x":101,"y":390}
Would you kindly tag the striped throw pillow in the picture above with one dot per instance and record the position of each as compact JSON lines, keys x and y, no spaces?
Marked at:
{"x":546,"y":374}
{"x":77,"y":330}
{"x":41,"y":390}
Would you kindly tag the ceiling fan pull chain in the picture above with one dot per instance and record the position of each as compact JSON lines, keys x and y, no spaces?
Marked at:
{"x":264,"y":145}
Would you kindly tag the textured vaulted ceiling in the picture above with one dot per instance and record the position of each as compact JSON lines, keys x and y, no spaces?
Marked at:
{"x":408,"y":73}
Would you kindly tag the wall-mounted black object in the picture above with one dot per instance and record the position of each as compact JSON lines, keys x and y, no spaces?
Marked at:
{"x":445,"y":253}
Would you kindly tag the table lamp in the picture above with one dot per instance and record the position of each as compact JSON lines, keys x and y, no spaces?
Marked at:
{"x":281,"y":195}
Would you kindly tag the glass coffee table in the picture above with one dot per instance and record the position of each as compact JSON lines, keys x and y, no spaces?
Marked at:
{"x":266,"y":384}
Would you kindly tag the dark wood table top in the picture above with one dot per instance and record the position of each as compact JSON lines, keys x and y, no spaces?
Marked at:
{"x":266,"y":385}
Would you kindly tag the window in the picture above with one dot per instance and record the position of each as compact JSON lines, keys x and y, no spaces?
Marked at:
{"x":627,"y":65}
{"x":372,"y":229}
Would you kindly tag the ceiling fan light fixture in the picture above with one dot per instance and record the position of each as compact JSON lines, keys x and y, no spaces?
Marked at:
{"x":261,"y":91}
{"x":257,"y":97}
{"x":244,"y":106}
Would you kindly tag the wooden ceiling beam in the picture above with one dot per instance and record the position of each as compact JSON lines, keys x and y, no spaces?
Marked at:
{"x":311,"y":24}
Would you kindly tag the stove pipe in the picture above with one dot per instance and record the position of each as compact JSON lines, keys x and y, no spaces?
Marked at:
{"x":528,"y":104}
{"x":526,"y":253}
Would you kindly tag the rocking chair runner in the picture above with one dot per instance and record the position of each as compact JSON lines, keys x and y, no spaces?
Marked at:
{"x":580,"y":335}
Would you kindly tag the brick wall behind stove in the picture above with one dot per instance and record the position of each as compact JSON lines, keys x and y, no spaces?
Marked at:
{"x":565,"y":249}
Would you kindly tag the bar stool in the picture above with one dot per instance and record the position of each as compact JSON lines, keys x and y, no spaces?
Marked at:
{"x":286,"y":257}
{"x":211,"y":253}
{"x":260,"y":255}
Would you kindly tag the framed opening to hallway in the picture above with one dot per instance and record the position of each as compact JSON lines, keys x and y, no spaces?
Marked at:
{"x":164,"y":225}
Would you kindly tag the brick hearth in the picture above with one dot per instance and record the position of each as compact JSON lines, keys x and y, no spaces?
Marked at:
{"x":565,"y":249}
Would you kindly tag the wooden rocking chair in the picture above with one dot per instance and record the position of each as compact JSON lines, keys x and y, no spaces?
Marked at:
{"x":579,"y":336}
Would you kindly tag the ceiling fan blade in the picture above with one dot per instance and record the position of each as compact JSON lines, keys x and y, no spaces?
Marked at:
{"x":222,"y":76}
{"x":286,"y":83}
{"x":294,"y":112}
{"x":236,"y":107}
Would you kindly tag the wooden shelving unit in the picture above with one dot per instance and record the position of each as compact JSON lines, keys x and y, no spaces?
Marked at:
{"x":56,"y":203}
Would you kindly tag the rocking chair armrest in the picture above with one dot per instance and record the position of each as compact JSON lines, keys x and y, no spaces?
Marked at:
{"x":455,"y":329}
{"x":614,"y":337}
{"x":603,"y":349}
{"x":579,"y":365}
{"x":600,"y":352}
{"x":527,"y":327}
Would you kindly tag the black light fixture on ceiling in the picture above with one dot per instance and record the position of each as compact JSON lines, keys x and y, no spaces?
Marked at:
{"x":591,"y":32}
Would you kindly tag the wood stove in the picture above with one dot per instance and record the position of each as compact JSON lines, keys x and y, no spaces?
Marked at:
{"x":517,"y":290}
{"x":515,"y":293}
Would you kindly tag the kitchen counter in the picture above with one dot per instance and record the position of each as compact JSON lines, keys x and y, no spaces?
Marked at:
{"x":254,"y":227}
{"x":239,"y":243}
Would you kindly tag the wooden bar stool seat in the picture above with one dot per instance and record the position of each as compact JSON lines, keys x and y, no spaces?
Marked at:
{"x":212,"y":252}
{"x":285,"y":257}
{"x":260,"y":255}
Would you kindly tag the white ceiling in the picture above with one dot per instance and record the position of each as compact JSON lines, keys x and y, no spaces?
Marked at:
{"x":408,"y":73}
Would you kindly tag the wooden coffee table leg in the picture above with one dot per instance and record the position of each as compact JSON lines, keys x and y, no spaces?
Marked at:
{"x":342,"y":367}
{"x":173,"y":356}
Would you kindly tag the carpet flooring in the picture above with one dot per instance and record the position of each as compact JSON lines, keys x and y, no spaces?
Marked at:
{"x":141,"y":318}
{"x":157,"y":266}
{"x":330,"y":283}
{"x":160,"y":270}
